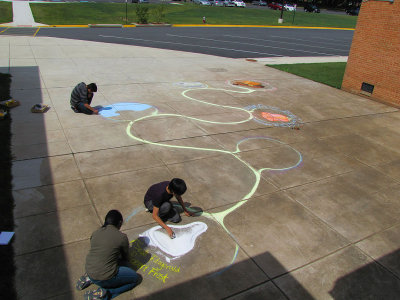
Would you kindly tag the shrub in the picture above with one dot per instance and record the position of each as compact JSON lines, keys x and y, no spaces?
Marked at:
{"x":142,"y":13}
{"x":159,"y":13}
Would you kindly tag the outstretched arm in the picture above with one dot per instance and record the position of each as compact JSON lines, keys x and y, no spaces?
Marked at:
{"x":188,"y":213}
{"x":159,"y":221}
{"x":95,"y":111}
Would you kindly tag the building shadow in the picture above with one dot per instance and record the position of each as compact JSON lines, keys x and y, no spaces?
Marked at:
{"x":233,"y":282}
{"x":38,"y":243}
{"x":372,"y":281}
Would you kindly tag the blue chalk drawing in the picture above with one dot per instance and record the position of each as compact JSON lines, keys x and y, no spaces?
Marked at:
{"x":112,"y":110}
{"x":135,"y":211}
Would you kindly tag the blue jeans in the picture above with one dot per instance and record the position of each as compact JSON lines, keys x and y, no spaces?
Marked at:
{"x":125,"y":280}
{"x":83,"y":109}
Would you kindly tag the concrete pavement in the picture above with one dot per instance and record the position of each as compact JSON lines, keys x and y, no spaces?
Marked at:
{"x":299,"y":214}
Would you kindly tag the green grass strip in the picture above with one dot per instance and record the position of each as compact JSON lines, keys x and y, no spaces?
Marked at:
{"x":6,"y":14}
{"x":327,"y":73}
{"x":7,"y":269}
{"x":188,"y":13}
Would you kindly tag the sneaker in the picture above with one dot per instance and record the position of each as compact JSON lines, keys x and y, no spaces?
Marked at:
{"x":83,"y":282}
{"x":100,"y":293}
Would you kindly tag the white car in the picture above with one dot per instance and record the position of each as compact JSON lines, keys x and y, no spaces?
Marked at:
{"x":289,"y":7}
{"x":228,"y":3}
{"x":204,"y":2}
{"x":239,"y":3}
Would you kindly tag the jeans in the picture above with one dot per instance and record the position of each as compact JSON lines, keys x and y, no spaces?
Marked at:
{"x":83,"y":109}
{"x":125,"y":280}
{"x":166,"y":212}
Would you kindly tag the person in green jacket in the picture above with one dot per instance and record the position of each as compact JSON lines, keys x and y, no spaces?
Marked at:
{"x":104,"y":262}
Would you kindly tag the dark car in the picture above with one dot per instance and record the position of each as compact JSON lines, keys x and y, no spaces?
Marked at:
{"x":354,"y":11}
{"x":308,"y":7}
{"x":275,"y":6}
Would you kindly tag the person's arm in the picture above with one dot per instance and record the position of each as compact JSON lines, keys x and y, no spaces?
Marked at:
{"x":159,"y":221}
{"x":125,"y":249}
{"x":188,"y":213}
{"x":95,"y":111}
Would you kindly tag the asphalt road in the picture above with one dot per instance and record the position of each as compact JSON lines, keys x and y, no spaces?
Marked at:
{"x":226,"y":42}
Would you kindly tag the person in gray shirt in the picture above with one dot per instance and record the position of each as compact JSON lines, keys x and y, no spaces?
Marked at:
{"x":81,"y":98}
{"x":106,"y":259}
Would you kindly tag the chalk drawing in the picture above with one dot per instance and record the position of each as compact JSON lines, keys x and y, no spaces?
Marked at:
{"x":183,"y":243}
{"x":156,"y":268}
{"x":134,"y":212}
{"x":190,"y":85}
{"x":266,"y":115}
{"x":112,"y":110}
{"x":273,"y":116}
{"x":255,"y":84}
{"x":249,"y":83}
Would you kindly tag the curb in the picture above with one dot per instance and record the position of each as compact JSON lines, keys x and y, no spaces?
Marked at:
{"x":181,"y":25}
{"x":260,"y":26}
{"x":152,"y":25}
{"x":105,"y":25}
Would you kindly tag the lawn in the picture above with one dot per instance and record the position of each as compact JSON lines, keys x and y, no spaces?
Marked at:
{"x":327,"y":73}
{"x":7,"y":290}
{"x":188,"y":13}
{"x":6,"y":15}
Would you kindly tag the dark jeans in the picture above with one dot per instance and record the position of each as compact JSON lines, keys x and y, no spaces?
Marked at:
{"x":83,"y":109}
{"x":125,"y":280}
{"x":166,"y":212}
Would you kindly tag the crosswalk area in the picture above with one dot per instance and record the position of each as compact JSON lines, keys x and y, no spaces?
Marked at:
{"x":24,"y":31}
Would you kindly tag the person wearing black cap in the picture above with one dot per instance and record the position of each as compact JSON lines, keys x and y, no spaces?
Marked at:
{"x":81,"y":98}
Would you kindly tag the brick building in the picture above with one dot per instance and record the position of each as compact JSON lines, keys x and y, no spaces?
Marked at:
{"x":373,"y":67}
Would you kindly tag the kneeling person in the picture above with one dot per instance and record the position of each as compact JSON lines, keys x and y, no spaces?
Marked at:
{"x":157,"y":201}
{"x":106,"y":261}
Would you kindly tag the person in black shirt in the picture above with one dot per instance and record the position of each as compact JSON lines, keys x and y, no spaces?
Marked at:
{"x":157,"y":201}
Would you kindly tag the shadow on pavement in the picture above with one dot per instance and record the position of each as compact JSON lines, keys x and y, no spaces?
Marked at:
{"x":371,"y":281}
{"x":40,"y":262}
{"x":227,"y":284}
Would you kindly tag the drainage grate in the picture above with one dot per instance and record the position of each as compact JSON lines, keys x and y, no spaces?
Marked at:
{"x":366,"y":87}
{"x":20,"y":31}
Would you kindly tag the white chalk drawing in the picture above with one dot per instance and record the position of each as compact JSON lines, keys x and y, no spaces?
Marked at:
{"x":183,"y":243}
{"x":266,"y":115}
{"x":190,"y":85}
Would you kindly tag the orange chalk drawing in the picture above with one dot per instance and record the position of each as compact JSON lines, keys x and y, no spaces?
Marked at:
{"x":248,"y":83}
{"x":274,"y":117}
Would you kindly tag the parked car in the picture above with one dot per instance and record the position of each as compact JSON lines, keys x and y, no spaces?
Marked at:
{"x":229,"y":3}
{"x":275,"y":6}
{"x":354,"y":11}
{"x":239,"y":3}
{"x":204,"y":2}
{"x":259,"y":3}
{"x":140,"y":1}
{"x":217,"y":2}
{"x":289,"y":7}
{"x":308,"y":7}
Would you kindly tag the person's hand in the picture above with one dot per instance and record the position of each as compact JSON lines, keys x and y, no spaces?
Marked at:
{"x":96,"y":112}
{"x":188,"y":213}
{"x":170,"y":232}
